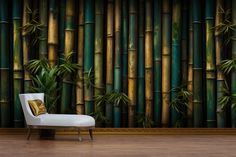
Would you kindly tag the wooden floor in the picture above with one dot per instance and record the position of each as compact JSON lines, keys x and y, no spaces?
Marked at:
{"x":120,"y":145}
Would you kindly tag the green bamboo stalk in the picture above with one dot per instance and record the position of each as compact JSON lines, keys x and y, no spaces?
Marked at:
{"x":80,"y":61}
{"x":109,"y":60}
{"x":17,"y":63}
{"x":221,"y":121}
{"x":98,"y":53}
{"x":148,"y":61}
{"x":210,"y":65}
{"x":53,"y":32}
{"x":117,"y":61}
{"x":43,"y":7}
{"x":26,"y":45}
{"x":61,"y":41}
{"x":166,"y":40}
{"x":66,"y":101}
{"x":125,"y":21}
{"x":233,"y":74}
{"x":141,"y":52}
{"x":176,"y":56}
{"x":132,"y":61}
{"x":157,"y":62}
{"x":190,"y":68}
{"x":197,"y":65}
{"x":4,"y":64}
{"x":88,"y":52}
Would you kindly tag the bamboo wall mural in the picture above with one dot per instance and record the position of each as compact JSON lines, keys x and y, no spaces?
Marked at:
{"x":80,"y":61}
{"x":174,"y":59}
{"x":132,"y":61}
{"x":17,"y":62}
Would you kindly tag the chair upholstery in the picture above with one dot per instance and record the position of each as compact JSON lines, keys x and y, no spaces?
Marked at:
{"x":53,"y":120}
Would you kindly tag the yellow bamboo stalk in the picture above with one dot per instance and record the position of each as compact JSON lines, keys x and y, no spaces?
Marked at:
{"x":52,"y":36}
{"x":149,"y":60}
{"x":80,"y":60}
{"x":166,"y":29}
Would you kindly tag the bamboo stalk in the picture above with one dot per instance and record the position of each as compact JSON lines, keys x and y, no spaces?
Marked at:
{"x":132,"y":61}
{"x":176,"y":56}
{"x":98,"y":53}
{"x":219,"y":57}
{"x":148,"y":61}
{"x":17,"y":63}
{"x":66,"y":101}
{"x":190,"y":68}
{"x":26,"y":45}
{"x":53,"y":32}
{"x":125,"y":22}
{"x":141,"y":54}
{"x":210,"y":65}
{"x":4,"y":65}
{"x":88,"y":52}
{"x":43,"y":7}
{"x":197,"y":65}
{"x":80,"y":61}
{"x":166,"y":40}
{"x":117,"y":61}
{"x":109,"y":60}
{"x":157,"y":62}
{"x":233,"y":74}
{"x":61,"y":40}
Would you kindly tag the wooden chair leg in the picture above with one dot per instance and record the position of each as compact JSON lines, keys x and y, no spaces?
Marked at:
{"x":91,"y":133}
{"x":79,"y":136}
{"x":28,"y":133}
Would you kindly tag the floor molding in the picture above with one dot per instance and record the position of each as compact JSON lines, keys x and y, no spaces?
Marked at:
{"x":132,"y":131}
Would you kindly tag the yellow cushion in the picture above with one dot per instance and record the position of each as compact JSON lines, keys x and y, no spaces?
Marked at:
{"x":37,"y":107}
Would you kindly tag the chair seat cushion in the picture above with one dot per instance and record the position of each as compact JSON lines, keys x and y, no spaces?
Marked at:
{"x":64,"y":120}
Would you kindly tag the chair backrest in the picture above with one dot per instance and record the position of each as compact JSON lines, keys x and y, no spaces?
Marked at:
{"x":29,"y":117}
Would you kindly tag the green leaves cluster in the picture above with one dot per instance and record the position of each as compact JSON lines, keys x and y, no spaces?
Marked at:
{"x":144,"y":121}
{"x":44,"y":78}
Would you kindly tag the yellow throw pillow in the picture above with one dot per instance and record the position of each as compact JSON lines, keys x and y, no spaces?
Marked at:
{"x":37,"y":107}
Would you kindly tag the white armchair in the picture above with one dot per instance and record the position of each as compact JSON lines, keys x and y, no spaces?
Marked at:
{"x":53,"y":120}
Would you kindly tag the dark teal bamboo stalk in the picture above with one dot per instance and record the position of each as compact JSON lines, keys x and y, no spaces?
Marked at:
{"x":4,"y":65}
{"x":233,"y":75}
{"x":88,"y":52}
{"x":43,"y":14}
{"x":221,"y":114}
{"x":61,"y":27}
{"x":176,"y":56}
{"x":117,"y":61}
{"x":157,"y":62}
{"x":17,"y":63}
{"x":124,"y":58}
{"x":141,"y":72}
{"x":197,"y":65}
{"x":210,"y":64}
